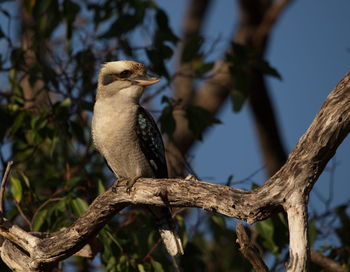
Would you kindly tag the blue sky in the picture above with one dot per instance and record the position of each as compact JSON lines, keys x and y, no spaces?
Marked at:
{"x":310,"y":47}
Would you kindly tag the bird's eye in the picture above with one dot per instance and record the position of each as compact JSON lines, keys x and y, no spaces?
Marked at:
{"x":125,"y":74}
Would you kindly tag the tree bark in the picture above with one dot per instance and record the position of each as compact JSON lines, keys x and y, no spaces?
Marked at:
{"x":249,"y":250}
{"x":287,"y":190}
{"x":36,"y":97}
{"x":183,"y":87}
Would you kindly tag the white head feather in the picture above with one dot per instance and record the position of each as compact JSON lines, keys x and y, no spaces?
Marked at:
{"x":126,"y":78}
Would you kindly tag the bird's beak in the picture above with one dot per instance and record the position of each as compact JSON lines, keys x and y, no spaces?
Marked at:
{"x":145,"y":80}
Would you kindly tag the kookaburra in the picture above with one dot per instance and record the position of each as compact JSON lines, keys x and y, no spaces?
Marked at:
{"x":128,"y":137}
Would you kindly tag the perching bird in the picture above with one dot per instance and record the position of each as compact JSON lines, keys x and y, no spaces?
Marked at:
{"x":128,"y":137}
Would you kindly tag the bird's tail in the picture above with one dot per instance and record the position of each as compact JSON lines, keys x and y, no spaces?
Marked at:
{"x":167,"y":231}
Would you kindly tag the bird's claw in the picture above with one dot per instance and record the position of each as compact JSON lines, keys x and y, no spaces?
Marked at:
{"x":191,"y":178}
{"x":130,"y":183}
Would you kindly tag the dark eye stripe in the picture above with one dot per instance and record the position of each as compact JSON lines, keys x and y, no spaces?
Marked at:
{"x":125,"y":74}
{"x":107,"y":79}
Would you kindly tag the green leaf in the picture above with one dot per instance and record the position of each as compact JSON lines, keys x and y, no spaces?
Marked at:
{"x":141,"y":268}
{"x":113,"y":239}
{"x":16,"y":189}
{"x":18,"y":123}
{"x":238,"y":97}
{"x":164,"y":32}
{"x":60,"y":205}
{"x":66,"y":102}
{"x":265,"y":67}
{"x":157,"y":63}
{"x":157,"y":266}
{"x":73,"y":182}
{"x":240,"y":86}
{"x":219,"y":220}
{"x":33,"y":137}
{"x":123,"y":24}
{"x":344,"y":226}
{"x":161,"y":18}
{"x":165,"y":51}
{"x":241,"y":53}
{"x":25,"y":179}
{"x":39,"y":220}
{"x":167,"y":121}
{"x":199,"y":119}
{"x":34,"y":120}
{"x":100,"y":187}
{"x":204,"y":68}
{"x":312,"y":231}
{"x":192,"y":49}
{"x":48,"y":16}
{"x":79,"y":206}
{"x":40,"y":8}
{"x":266,"y":230}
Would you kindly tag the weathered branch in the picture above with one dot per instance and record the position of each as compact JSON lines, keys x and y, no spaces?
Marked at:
{"x":288,"y":189}
{"x":298,"y":236}
{"x":249,"y":250}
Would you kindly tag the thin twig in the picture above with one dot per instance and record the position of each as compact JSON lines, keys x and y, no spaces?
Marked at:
{"x":43,"y":206}
{"x":149,"y":253}
{"x":25,"y":218}
{"x":325,"y":262}
{"x":3,"y":186}
{"x":175,"y":260}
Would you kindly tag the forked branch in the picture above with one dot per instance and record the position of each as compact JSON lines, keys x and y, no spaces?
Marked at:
{"x":287,"y":190}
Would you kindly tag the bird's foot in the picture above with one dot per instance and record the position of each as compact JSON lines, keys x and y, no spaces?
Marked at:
{"x":163,"y":194}
{"x":130,"y":183}
{"x":191,"y":178}
{"x":115,"y":185}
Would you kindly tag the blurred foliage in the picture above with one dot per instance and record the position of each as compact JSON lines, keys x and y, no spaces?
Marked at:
{"x":49,"y":58}
{"x":243,"y":61}
{"x":198,"y":118}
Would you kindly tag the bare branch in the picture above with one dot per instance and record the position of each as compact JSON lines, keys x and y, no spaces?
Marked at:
{"x":288,"y":189}
{"x":296,"y":209}
{"x":18,"y":236}
{"x":268,"y":21}
{"x":326,"y":263}
{"x":249,"y":250}
{"x":3,"y":186}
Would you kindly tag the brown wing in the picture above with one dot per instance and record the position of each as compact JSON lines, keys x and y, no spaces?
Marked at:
{"x":151,"y":142}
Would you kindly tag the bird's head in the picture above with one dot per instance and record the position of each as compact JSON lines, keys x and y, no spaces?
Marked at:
{"x":125,"y":77}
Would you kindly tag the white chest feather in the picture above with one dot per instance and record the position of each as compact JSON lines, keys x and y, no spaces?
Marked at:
{"x":113,"y":132}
